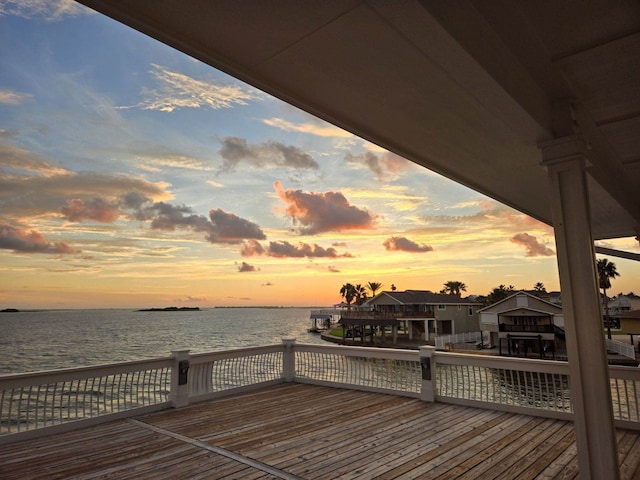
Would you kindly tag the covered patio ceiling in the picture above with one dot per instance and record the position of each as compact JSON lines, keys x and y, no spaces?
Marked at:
{"x":468,"y":89}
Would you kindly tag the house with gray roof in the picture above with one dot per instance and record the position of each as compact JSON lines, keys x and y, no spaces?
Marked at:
{"x":427,"y":314}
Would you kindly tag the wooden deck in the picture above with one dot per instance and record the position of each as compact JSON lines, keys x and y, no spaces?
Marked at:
{"x":303,"y":431}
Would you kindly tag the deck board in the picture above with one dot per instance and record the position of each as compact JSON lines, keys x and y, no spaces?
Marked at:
{"x":311,"y":432}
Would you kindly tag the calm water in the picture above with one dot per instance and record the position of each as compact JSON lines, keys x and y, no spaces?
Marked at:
{"x":32,"y":341}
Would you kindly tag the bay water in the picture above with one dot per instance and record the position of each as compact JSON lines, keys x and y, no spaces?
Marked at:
{"x":52,"y":339}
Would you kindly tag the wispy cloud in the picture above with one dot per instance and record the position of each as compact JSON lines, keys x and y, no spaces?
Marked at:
{"x":317,"y":127}
{"x":48,"y":195}
{"x":49,"y":10}
{"x":403,"y":244}
{"x":17,"y":159}
{"x":323,"y":212}
{"x":264,"y":155}
{"x":176,"y":90}
{"x":11,"y":97}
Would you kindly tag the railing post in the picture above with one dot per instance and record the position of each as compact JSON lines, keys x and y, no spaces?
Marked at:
{"x":428,"y":368}
{"x":288,"y":359}
{"x":180,"y":379}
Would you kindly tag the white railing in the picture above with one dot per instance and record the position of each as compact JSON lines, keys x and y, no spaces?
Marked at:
{"x":539,"y":387}
{"x":56,"y":398}
{"x":213,"y":374}
{"x":443,"y":340}
{"x":625,"y":349}
{"x":65,"y":399}
{"x":361,"y":368}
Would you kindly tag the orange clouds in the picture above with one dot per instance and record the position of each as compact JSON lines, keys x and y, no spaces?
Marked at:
{"x":95,"y":209}
{"x":323,"y":212}
{"x":531,"y":244}
{"x":19,"y":241}
{"x":285,"y":249}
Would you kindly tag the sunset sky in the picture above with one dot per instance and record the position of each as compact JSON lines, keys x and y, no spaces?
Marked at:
{"x":132,"y":175}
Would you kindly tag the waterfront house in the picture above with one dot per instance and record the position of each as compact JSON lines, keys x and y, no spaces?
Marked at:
{"x":623,"y":304}
{"x":426,"y":314}
{"x":524,"y":324}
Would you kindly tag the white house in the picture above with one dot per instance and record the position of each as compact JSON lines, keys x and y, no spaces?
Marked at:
{"x":523,"y":323}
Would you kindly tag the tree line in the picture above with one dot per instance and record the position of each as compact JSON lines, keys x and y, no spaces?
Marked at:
{"x":606,"y":271}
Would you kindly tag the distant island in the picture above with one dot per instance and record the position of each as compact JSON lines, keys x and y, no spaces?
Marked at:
{"x":170,"y":309}
{"x":10,"y":310}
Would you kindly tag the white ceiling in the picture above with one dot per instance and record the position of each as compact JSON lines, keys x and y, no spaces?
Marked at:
{"x":467,"y":88}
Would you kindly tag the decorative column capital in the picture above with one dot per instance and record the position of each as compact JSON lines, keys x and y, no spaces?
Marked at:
{"x":561,"y":150}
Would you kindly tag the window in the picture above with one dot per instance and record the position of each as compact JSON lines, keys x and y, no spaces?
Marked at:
{"x":459,"y":307}
{"x":442,"y":307}
{"x":470,"y":311}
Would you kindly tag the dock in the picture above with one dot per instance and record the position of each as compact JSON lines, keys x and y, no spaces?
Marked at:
{"x":295,"y":430}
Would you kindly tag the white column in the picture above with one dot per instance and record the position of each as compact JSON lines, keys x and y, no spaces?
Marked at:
{"x":589,"y":375}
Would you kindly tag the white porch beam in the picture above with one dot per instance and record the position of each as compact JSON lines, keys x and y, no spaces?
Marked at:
{"x":589,"y":375}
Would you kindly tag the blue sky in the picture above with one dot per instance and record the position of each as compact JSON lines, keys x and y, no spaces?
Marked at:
{"x":134,"y":175}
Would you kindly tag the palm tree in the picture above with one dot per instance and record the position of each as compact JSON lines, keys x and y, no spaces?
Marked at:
{"x":361,"y":294}
{"x":539,"y":287}
{"x":499,"y":293}
{"x":374,"y":287}
{"x":348,"y":292}
{"x":453,"y":287}
{"x":606,"y":271}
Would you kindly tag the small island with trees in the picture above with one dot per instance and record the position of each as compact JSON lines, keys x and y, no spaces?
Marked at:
{"x":170,"y":309}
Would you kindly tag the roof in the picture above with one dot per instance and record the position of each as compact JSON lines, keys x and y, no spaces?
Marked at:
{"x":508,"y":304}
{"x":467,"y":89}
{"x":420,"y":297}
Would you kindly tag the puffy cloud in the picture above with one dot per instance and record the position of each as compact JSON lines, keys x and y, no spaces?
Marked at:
{"x":221,"y":227}
{"x":177,"y":90}
{"x":169,"y":217}
{"x":285,"y":249}
{"x":405,"y":245}
{"x":94,"y":209}
{"x":12,"y":238}
{"x":385,"y":165}
{"x":269,"y":154}
{"x":229,"y":228}
{"x":531,"y":244}
{"x":323,"y":212}
{"x":245,"y":267}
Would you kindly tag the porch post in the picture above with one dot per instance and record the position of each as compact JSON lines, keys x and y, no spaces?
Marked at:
{"x":288,"y":359}
{"x":565,"y":160}
{"x":179,"y":395}
{"x":428,"y":369}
